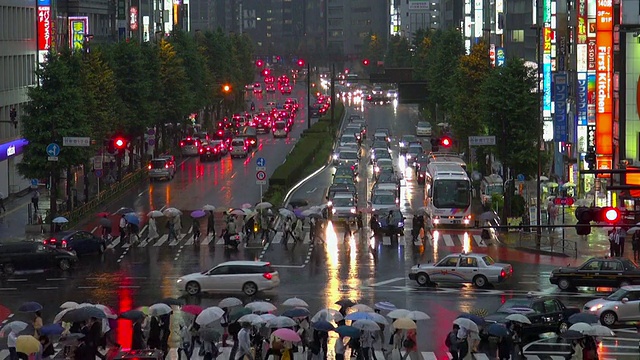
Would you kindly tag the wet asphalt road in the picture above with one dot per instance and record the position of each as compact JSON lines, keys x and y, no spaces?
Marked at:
{"x":321,"y":274}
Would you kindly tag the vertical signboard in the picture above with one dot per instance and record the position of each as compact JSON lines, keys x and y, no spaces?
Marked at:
{"x":581,"y":12}
{"x":604,"y":75}
{"x":546,"y":58}
{"x":478,"y":17}
{"x":78,"y":28}
{"x":500,"y":56}
{"x":44,"y":29}
{"x":467,"y":25}
{"x":582,"y":95}
{"x":492,"y":54}
{"x":133,"y":18}
{"x":560,"y":94}
{"x":499,"y":17}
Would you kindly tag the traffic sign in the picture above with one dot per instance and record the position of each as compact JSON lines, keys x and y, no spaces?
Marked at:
{"x":261,"y":162}
{"x":521,"y":177}
{"x":261,"y":182}
{"x":76,"y":141}
{"x":53,"y":150}
{"x":261,"y":175}
{"x":564,"y":201}
{"x":482,"y":140}
{"x":52,"y":158}
{"x":34,"y":183}
{"x":98,"y":173}
{"x":261,"y":168}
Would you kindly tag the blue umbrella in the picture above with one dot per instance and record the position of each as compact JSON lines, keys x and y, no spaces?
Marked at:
{"x":346,"y":330}
{"x":198,"y":214}
{"x":51,"y":329}
{"x":583,"y":317}
{"x":298,"y":213}
{"x":322,"y":326}
{"x":29,"y":307}
{"x":132,"y":218}
{"x":360,"y":315}
{"x":296,"y":313}
{"x":498,"y":330}
{"x":475,"y":318}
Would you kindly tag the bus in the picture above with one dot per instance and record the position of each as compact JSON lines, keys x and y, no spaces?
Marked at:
{"x":491,"y":185}
{"x":446,"y":158}
{"x":448,"y":194}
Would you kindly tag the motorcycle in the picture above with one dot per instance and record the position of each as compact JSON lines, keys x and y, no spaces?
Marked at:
{"x":232,"y":241}
{"x":253,"y":107}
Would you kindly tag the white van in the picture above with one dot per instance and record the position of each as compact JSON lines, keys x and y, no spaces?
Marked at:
{"x":239,"y":148}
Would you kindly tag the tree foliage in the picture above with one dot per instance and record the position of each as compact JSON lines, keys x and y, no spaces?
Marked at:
{"x":398,"y":52}
{"x":374,"y":48}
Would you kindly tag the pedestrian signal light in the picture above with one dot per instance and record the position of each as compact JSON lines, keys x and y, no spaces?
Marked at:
{"x":610,"y":215}
{"x":259,"y":63}
{"x":301,"y":62}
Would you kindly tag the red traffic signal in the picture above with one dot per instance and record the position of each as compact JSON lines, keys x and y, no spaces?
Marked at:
{"x":610,"y":215}
{"x":259,"y":63}
{"x":301,"y":62}
{"x":365,"y":62}
{"x":119,"y":143}
{"x":446,"y":141}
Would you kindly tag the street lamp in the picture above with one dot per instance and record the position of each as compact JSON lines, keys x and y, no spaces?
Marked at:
{"x":301,"y":63}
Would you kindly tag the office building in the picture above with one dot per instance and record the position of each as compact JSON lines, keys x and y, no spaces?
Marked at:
{"x":349,"y":22}
{"x":416,"y":15}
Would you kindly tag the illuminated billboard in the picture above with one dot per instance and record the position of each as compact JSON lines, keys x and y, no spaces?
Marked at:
{"x":78,"y":29}
{"x":479,"y":19}
{"x":604,"y":75}
{"x":44,"y":28}
{"x":547,"y":33}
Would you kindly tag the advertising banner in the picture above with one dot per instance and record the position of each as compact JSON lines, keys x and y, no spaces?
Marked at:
{"x":583,"y":99}
{"x":591,"y":55}
{"x":604,"y":75}
{"x":44,"y":28}
{"x":581,"y":12}
{"x":500,"y":56}
{"x":499,"y":17}
{"x":492,"y":54}
{"x":478,"y":18}
{"x":591,"y":99}
{"x":546,"y":85}
{"x":78,"y":28}
{"x":133,"y":18}
{"x":560,"y":94}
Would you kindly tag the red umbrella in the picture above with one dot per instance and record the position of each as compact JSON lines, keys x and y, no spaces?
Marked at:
{"x":103,"y":214}
{"x":192,"y":309}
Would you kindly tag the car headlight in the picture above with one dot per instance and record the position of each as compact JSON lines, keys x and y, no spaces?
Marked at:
{"x":596,"y":307}
{"x":335,"y":156}
{"x":400,"y":224}
{"x":408,"y":156}
{"x":179,"y":281}
{"x":401,"y":144}
{"x":353,"y":210}
{"x":376,"y":169}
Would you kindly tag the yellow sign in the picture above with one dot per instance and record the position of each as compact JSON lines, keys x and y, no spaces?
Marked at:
{"x":79,"y":28}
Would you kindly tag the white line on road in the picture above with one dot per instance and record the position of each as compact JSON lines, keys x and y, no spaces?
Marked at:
{"x":56,"y":279}
{"x":8,"y":289}
{"x":17,"y":280}
{"x":87,"y":287}
{"x":385,"y":282}
{"x":47,"y":288}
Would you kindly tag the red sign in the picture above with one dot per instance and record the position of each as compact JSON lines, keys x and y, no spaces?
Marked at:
{"x":604,"y":76}
{"x":564,"y":201}
{"x":604,"y":163}
{"x":591,"y":55}
{"x":44,"y":28}
{"x":604,"y":15}
{"x":133,"y":18}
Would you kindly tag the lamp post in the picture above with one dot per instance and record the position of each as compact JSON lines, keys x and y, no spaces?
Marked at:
{"x":308,"y":96}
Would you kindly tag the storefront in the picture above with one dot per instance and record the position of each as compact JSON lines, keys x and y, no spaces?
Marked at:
{"x":11,"y":181}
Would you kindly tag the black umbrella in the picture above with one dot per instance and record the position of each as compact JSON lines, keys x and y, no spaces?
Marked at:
{"x":172,"y":302}
{"x":498,"y":330}
{"x":345,"y":302}
{"x":83,"y":313}
{"x":296,"y":203}
{"x":571,"y":335}
{"x":133,"y":315}
{"x":584,"y":318}
{"x":30,"y":307}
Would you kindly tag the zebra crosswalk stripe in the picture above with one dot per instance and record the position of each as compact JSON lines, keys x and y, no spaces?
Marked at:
{"x":178,"y":238}
{"x":207,"y":240}
{"x":163,"y":239}
{"x":448,"y":241}
{"x":479,"y":241}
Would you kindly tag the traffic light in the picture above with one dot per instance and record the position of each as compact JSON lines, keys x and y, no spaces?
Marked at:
{"x":365,"y":62}
{"x":585,"y":215}
{"x":119,"y":143}
{"x":259,"y":63}
{"x":610,"y":215}
{"x":226,"y":88}
{"x":301,"y":62}
{"x":446,"y":142}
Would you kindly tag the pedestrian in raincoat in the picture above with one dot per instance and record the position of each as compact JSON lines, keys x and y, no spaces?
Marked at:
{"x":298,"y":231}
{"x":153,"y":229}
{"x":211,"y":224}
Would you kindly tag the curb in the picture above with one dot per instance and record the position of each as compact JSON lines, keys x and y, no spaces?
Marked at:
{"x":542,"y":252}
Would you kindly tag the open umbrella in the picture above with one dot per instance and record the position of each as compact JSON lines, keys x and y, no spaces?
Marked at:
{"x":132,"y":218}
{"x":209,"y":334}
{"x":286,"y":213}
{"x":155,"y":214}
{"x":296,"y":313}
{"x":171,"y":212}
{"x":261,"y":306}
{"x":362,"y":308}
{"x":51,"y":329}
{"x":322,"y":326}
{"x":124,"y":210}
{"x":309,"y":212}
{"x":192,"y":309}
{"x":27,"y":344}
{"x":58,"y":317}
{"x":281,"y":322}
{"x":60,"y":220}
{"x":107,"y":311}
{"x":238,"y":313}
{"x":580,"y":327}
{"x":103,"y":214}
{"x":248,"y":212}
{"x":83,"y":313}
{"x":287,"y":335}
{"x":296,"y":203}
{"x":263,"y":206}
{"x":237,"y":212}
{"x":267,"y":317}
{"x":345,"y":302}
{"x":349,"y":331}
{"x":144,"y":309}
{"x":571,"y":335}
{"x":378,"y":318}
{"x":599,"y":330}
{"x":209,"y":208}
{"x":172,"y":301}
{"x":385,"y":305}
{"x":475,"y":318}
{"x":399,"y":313}
{"x":133,"y":315}
{"x":209,"y":315}
{"x":367,"y":325}
{"x":404,"y":324}
{"x":251,"y":319}
{"x":519,"y":318}
{"x":418,"y":315}
{"x":583,"y":317}
{"x":466,"y":323}
{"x":196,"y":214}
{"x":14,"y":326}
{"x":327,"y":315}
{"x":29,"y":307}
{"x":421,"y":211}
{"x":498,"y":330}
{"x":229,"y":302}
{"x":159,"y":309}
{"x":295,"y":302}
{"x":359,"y":315}
{"x":246,"y":206}
{"x":69,"y":305}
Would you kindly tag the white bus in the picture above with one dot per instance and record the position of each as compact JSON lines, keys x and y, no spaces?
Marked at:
{"x":448,"y":194}
{"x":446,"y":158}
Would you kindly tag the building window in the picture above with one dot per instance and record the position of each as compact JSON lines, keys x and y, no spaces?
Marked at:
{"x":517,"y":35}
{"x":363,"y":9}
{"x":336,"y":33}
{"x":335,"y":22}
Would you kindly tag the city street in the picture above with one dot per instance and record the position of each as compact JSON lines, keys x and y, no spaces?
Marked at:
{"x":126,"y":277}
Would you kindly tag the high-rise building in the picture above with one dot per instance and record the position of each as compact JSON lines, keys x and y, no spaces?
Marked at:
{"x":18,"y":58}
{"x":451,"y":14}
{"x":416,"y":15}
{"x":349,"y":22}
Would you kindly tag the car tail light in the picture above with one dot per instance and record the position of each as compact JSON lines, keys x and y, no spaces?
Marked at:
{"x":503,"y":273}
{"x":244,"y":148}
{"x":149,"y":166}
{"x":201,"y":150}
{"x":511,"y":271}
{"x":267,"y":276}
{"x":181,"y":143}
{"x":64,"y":243}
{"x":220,"y":132}
{"x":253,"y":141}
{"x":166,"y":166}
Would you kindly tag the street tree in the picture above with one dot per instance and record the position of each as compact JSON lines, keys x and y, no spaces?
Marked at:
{"x":374,"y":48}
{"x":198,"y":75}
{"x":398,"y":52}
{"x":173,"y":91}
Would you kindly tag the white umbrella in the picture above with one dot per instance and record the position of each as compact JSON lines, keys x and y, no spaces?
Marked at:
{"x":599,"y":330}
{"x":229,"y":302}
{"x":362,"y":308}
{"x":60,"y":220}
{"x":246,"y":206}
{"x":264,"y":205}
{"x":310,"y":212}
{"x":261,"y":306}
{"x":367,"y":325}
{"x":418,"y":315}
{"x":159,"y":309}
{"x":69,"y":305}
{"x":281,"y":322}
{"x":248,"y":212}
{"x":327,"y":315}
{"x":172,"y":212}
{"x":633,"y":229}
{"x":155,"y":214}
{"x":295,"y":302}
{"x":209,"y":315}
{"x":208,"y":208}
{"x":580,"y":327}
{"x":251,"y":318}
{"x":58,"y":318}
{"x":286,"y":212}
{"x":399,"y":313}
{"x":544,"y":178}
{"x":15,"y":326}
{"x":237,"y":212}
{"x":467,"y":324}
{"x":267,"y":317}
{"x":519,"y":318}
{"x":378,"y":318}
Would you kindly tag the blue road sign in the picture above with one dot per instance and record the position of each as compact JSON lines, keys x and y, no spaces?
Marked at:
{"x":98,"y":173}
{"x":520,"y":177}
{"x":34,"y":182}
{"x":261,"y":162}
{"x":53,"y":149}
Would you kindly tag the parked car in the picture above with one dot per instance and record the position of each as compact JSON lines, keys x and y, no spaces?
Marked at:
{"x":248,"y":277}
{"x":162,"y":168}
{"x":611,"y":272}
{"x":477,"y":269}
{"x":79,"y":241}
{"x":34,"y":255}
{"x":621,"y":306}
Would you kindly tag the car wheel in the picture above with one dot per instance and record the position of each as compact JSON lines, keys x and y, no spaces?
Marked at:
{"x":193,"y":288}
{"x":249,"y":289}
{"x":8,"y":268}
{"x":423,"y":279}
{"x":64,"y":264}
{"x":624,"y":283}
{"x":480,"y":281}
{"x":564,"y":284}
{"x":608,"y":318}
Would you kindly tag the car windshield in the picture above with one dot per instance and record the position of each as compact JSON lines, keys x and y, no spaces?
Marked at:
{"x":348,"y":139}
{"x":511,"y":303}
{"x":280,"y":125}
{"x":342,"y":202}
{"x":424,"y":125}
{"x":408,"y":138}
{"x":158,"y":164}
{"x":348,"y":155}
{"x":188,"y":142}
{"x":343,"y":180}
{"x":618,"y":295}
{"x":383,"y":199}
{"x":343,"y":171}
{"x":451,"y":194}
{"x":387,"y":178}
{"x":415,"y":150}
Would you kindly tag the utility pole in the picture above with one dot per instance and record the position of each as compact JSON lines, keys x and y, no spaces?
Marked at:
{"x":309,"y":95}
{"x":333,"y":93}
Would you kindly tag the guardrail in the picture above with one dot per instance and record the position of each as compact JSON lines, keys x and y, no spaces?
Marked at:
{"x":106,"y":195}
{"x":547,"y":243}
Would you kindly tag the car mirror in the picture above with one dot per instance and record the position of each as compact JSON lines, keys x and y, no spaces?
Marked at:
{"x":625,"y":300}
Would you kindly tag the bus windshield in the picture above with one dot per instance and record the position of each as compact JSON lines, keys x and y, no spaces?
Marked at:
{"x":451,"y":194}
{"x":494,"y":189}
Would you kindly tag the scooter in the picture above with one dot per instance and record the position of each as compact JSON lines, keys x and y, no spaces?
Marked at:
{"x":232,"y":241}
